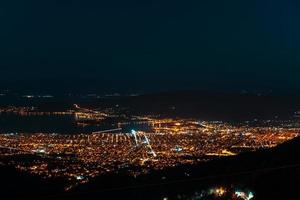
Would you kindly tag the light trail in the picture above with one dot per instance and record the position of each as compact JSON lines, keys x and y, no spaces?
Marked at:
{"x":107,"y":131}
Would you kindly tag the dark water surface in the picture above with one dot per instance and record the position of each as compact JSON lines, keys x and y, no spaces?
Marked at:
{"x":63,"y":124}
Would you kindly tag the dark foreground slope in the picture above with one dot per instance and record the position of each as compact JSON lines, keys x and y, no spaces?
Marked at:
{"x":271,"y":174}
{"x":17,"y":185}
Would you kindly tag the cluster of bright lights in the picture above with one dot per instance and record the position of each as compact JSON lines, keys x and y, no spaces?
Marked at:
{"x":217,"y":191}
{"x":244,"y":195}
{"x":221,"y":192}
{"x":146,"y":142}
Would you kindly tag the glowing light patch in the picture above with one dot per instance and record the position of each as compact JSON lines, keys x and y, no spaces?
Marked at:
{"x":79,"y":178}
{"x":244,"y":196}
{"x":133,"y":132}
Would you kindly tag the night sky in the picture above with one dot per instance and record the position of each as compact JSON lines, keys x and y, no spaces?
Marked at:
{"x":149,"y":45}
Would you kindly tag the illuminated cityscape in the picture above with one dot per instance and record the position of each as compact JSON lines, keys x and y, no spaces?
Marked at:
{"x":165,"y":143}
{"x":149,"y":100}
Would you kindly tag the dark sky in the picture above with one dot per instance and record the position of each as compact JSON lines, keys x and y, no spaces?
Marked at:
{"x":171,"y":44}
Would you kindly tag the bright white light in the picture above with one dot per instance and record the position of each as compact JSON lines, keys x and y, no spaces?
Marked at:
{"x":133,"y":132}
{"x":79,"y":178}
{"x":244,"y":196}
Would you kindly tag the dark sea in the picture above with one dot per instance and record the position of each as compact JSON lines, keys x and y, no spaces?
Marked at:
{"x":62,"y":124}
